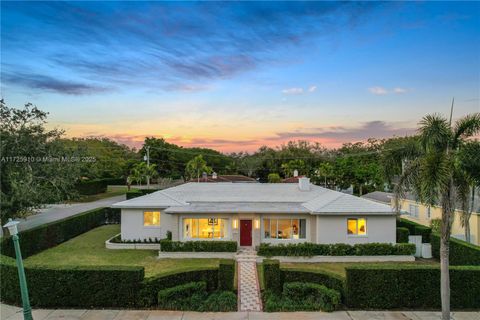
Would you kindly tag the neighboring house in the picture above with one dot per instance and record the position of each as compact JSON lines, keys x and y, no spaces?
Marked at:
{"x":379,"y":196}
{"x":413,"y":210}
{"x":251,"y":213}
{"x":224,"y":178}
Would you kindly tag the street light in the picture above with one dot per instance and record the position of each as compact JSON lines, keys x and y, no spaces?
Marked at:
{"x":27,"y":310}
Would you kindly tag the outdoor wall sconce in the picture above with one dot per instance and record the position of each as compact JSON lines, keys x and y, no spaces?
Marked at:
{"x":257,"y":223}
{"x":235,"y":223}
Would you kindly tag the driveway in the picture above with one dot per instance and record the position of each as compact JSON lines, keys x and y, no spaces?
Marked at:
{"x":56,"y":212}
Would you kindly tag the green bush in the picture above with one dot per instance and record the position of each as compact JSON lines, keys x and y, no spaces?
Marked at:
{"x":198,"y":246}
{"x":300,"y":296}
{"x":73,"y":287}
{"x":328,"y":279}
{"x":338,"y":249}
{"x":415,"y":229}
{"x":151,"y":286}
{"x":169,"y":235}
{"x":220,"y":301}
{"x":51,"y":234}
{"x":226,"y":274}
{"x":272,"y":276}
{"x":183,"y":297}
{"x":402,"y":235}
{"x":134,"y":193}
{"x":415,"y":287}
{"x":461,"y":252}
{"x":89,"y":187}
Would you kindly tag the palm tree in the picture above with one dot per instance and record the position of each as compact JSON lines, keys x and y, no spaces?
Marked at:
{"x":435,"y":175}
{"x":196,"y":166}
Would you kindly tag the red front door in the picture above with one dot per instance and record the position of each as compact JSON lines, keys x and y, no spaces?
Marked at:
{"x":245,"y":232}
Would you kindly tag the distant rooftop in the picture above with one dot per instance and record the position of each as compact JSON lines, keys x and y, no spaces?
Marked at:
{"x":224,"y":178}
{"x":379,"y":196}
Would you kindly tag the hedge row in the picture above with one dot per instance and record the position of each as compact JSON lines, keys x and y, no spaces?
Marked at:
{"x":96,"y":186}
{"x":275,"y":277}
{"x":461,"y":252}
{"x":51,"y":234}
{"x":85,"y":287}
{"x":416,"y":229}
{"x":402,"y":235}
{"x":396,"y":286}
{"x":221,"y":279}
{"x":338,"y":249}
{"x":300,"y":296}
{"x":135,"y":193}
{"x":198,"y":246}
{"x":193,"y":296}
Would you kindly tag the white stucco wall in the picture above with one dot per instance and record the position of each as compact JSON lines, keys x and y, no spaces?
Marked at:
{"x":132,"y":227}
{"x":333,"y":229}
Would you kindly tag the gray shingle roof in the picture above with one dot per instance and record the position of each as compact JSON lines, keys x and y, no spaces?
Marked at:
{"x":379,"y":196}
{"x":254,"y":197}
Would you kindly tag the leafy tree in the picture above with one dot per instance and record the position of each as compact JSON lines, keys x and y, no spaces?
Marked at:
{"x":436,"y":175}
{"x":196,"y":167}
{"x":274,"y":178}
{"x":326,"y":170}
{"x":292,"y":165}
{"x":141,"y":171}
{"x":470,"y":163}
{"x":35,"y":166}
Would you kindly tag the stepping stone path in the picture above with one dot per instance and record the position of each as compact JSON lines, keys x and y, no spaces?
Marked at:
{"x":248,"y":286}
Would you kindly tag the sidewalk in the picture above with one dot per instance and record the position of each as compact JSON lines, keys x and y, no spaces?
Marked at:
{"x":14,"y":313}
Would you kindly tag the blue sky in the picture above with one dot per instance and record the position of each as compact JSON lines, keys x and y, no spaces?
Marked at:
{"x":234,"y":76}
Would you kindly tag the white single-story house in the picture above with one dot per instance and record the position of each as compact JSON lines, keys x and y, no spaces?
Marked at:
{"x":252,"y":213}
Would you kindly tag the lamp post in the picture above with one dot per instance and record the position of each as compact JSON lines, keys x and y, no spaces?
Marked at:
{"x":27,"y":310}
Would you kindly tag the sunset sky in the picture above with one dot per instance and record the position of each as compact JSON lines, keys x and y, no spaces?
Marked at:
{"x":235,"y":76}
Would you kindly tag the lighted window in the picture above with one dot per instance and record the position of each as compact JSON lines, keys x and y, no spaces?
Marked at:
{"x":151,"y":218}
{"x":284,"y":228}
{"x":205,"y":228}
{"x":357,"y":226}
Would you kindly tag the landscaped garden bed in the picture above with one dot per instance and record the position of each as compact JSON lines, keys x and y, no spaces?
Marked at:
{"x":66,"y":271}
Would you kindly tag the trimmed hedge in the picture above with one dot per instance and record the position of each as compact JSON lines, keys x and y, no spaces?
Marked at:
{"x":135,"y":193}
{"x":226,"y":275}
{"x":461,"y":252}
{"x":416,"y":229}
{"x":300,"y":296}
{"x":51,"y":234}
{"x":402,"y":235}
{"x":148,"y":294}
{"x":86,"y":287}
{"x":272,"y":276}
{"x":90,"y":187}
{"x":339,"y":249}
{"x":328,"y":279}
{"x":183,"y":297}
{"x":198,"y":246}
{"x":396,"y":286}
{"x":194,"y":297}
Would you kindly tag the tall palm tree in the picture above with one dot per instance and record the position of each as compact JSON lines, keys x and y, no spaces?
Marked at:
{"x":435,"y":175}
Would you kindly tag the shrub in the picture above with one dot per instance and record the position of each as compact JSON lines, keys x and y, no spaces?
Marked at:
{"x":169,"y":235}
{"x":436,"y":225}
{"x":272,"y":276}
{"x":220,"y":301}
{"x":339,"y":249}
{"x":75,"y":287}
{"x":402,"y":235}
{"x":415,"y":229}
{"x":461,"y":252}
{"x":183,"y":297}
{"x":328,"y":279}
{"x":311,"y":296}
{"x":198,"y":246}
{"x":51,"y":234}
{"x":134,"y":193}
{"x":416,"y":287}
{"x":226,"y":274}
{"x":89,"y":187}
{"x":151,"y":286}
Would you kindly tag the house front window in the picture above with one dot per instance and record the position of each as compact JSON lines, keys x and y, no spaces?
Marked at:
{"x":205,"y":228}
{"x":413,"y":210}
{"x":151,"y":218}
{"x":357,"y":226}
{"x":284,"y":229}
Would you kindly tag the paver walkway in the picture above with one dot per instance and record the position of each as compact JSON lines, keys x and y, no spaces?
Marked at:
{"x":14,"y":313}
{"x":248,"y":286}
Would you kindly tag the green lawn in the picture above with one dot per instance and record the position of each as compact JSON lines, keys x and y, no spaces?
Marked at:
{"x":89,"y":249}
{"x":339,"y":268}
